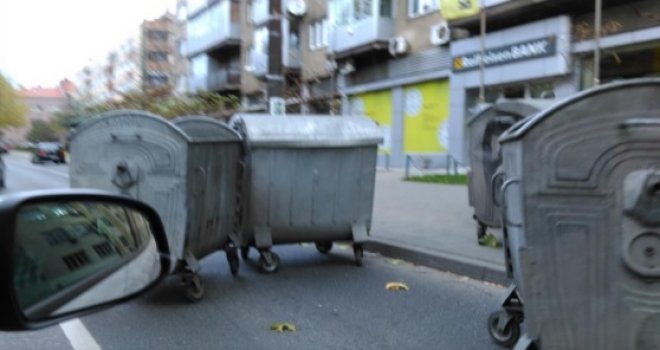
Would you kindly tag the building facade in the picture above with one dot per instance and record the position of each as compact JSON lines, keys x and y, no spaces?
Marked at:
{"x":406,"y":67}
{"x":546,"y":50}
{"x":151,"y":59}
{"x":162,"y":64}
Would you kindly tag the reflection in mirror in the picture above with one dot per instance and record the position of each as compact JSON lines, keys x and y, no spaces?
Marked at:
{"x":69,"y":256}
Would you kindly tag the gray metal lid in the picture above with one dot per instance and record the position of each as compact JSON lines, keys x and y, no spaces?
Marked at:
{"x":520,"y":108}
{"x":118,"y":117}
{"x":307,"y":130}
{"x":205,"y":129}
{"x":520,"y":129}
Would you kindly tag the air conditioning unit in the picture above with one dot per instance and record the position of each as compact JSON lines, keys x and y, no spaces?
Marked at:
{"x":398,"y":46}
{"x":297,"y":8}
{"x":347,"y":68}
{"x":440,"y":34}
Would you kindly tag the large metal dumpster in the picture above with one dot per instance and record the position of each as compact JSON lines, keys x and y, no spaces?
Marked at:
{"x":484,"y":129}
{"x":308,"y":179}
{"x":582,"y":207}
{"x":189,"y":177}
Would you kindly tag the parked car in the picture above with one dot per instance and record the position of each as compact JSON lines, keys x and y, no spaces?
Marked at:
{"x":48,"y":151}
{"x":3,"y":150}
{"x":2,"y":173}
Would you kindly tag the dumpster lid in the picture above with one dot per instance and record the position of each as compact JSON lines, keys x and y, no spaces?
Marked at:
{"x":107,"y":117}
{"x":521,"y":128}
{"x":307,"y":130}
{"x":520,"y":108}
{"x":205,"y":129}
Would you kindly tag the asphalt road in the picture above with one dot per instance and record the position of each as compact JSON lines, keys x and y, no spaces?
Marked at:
{"x":332,"y":303}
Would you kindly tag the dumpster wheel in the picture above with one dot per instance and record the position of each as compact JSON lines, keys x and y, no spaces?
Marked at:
{"x":232,"y":259}
{"x":358,"y":252}
{"x":269,"y":261}
{"x":194,"y":287}
{"x":324,"y":247}
{"x":245,"y":253}
{"x":508,"y":336}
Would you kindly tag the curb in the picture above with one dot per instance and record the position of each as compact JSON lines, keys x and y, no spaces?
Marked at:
{"x":472,"y":268}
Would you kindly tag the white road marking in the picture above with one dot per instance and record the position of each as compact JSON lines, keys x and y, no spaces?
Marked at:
{"x":78,"y":335}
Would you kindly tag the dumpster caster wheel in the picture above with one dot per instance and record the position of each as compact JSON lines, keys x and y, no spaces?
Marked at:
{"x":245,"y":253}
{"x":232,"y":259}
{"x":194,"y":288}
{"x":481,"y":231}
{"x":358,"y":252}
{"x":269,"y":262}
{"x":509,"y":335}
{"x":324,"y":247}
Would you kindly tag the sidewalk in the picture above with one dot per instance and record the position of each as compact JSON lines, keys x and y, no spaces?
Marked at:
{"x":431,"y":225}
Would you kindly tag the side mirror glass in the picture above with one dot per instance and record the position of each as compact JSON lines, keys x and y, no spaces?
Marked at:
{"x":75,"y":255}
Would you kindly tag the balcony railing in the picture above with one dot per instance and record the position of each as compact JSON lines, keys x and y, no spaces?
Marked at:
{"x":213,"y":28}
{"x":363,"y":32}
{"x":224,"y":79}
{"x":219,"y":80}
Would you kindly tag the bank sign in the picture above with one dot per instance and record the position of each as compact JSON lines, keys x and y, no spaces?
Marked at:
{"x":537,"y":48}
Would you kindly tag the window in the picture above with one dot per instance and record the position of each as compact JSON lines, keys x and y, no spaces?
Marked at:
{"x":318,"y":34}
{"x":157,"y":35}
{"x":157,"y":79}
{"x":261,"y":40}
{"x":259,"y":10}
{"x":195,"y":5}
{"x":248,"y":58}
{"x":344,"y":12}
{"x":157,"y":56}
{"x":199,"y":66}
{"x":421,"y":7}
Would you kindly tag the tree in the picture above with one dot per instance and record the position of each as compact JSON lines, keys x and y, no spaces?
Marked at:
{"x":169,"y":106}
{"x":42,"y":131}
{"x":12,"y":108}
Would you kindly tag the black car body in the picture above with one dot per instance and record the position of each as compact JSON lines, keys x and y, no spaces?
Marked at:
{"x":48,"y":151}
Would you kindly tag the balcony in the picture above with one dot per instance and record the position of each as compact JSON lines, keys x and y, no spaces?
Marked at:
{"x":216,"y":27}
{"x":292,"y":58}
{"x":258,"y":63}
{"x":219,"y":80}
{"x":361,"y":36}
{"x":224,"y":79}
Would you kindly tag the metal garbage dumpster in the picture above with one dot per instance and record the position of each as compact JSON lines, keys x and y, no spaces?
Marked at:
{"x":582,"y":209}
{"x":308,"y":179}
{"x":189,"y":177}
{"x":484,"y":129}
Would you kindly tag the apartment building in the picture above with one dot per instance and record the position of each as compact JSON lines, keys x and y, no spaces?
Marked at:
{"x":151,"y":59}
{"x":162,"y":64}
{"x":546,"y":50}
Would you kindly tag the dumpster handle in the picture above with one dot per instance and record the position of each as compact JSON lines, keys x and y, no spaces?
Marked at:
{"x":506,"y":185}
{"x":637,"y":122}
{"x":493,"y":193}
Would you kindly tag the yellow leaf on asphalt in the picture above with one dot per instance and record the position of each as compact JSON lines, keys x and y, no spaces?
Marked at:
{"x":394,"y":261}
{"x":396,"y":286}
{"x":344,"y":246}
{"x":283,"y":327}
{"x":304,"y":244}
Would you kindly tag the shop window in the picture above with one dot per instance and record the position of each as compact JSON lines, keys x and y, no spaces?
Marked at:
{"x":516,"y":91}
{"x":542,"y":90}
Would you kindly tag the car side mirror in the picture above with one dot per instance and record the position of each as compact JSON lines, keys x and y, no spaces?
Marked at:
{"x":68,"y":253}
